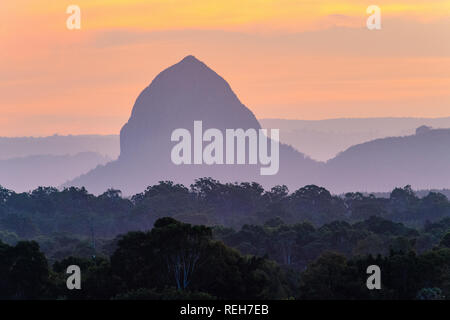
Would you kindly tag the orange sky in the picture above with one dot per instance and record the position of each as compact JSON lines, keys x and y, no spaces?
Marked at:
{"x":283,"y":58}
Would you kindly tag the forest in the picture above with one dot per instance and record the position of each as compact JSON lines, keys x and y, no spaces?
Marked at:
{"x":223,"y":241}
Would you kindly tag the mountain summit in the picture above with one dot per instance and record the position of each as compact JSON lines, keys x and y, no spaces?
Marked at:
{"x":178,"y":96}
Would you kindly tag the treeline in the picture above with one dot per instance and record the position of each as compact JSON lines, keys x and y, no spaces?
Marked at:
{"x":298,"y":245}
{"x":175,"y":260}
{"x":48,"y":212}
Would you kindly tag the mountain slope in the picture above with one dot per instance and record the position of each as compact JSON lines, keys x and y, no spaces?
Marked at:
{"x":324,"y":139}
{"x":421,"y":160}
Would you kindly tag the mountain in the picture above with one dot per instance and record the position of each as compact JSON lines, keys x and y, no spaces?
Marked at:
{"x":186,"y":92}
{"x":421,"y":160}
{"x":107,"y":145}
{"x":324,"y":139}
{"x":190,"y":91}
{"x":26,"y":173}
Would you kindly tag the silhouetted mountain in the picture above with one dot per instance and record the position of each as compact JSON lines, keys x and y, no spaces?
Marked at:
{"x":27,"y":173}
{"x":107,"y":145}
{"x":178,"y":96}
{"x":421,"y":160}
{"x":323,"y":139}
{"x":190,"y":91}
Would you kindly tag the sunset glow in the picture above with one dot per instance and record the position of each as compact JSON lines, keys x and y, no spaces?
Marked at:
{"x":283,"y":58}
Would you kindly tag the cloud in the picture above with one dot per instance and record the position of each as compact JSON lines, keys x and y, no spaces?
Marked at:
{"x":398,"y":37}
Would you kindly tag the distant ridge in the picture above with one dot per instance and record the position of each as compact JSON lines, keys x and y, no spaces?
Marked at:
{"x":322,"y":140}
{"x":14,"y":147}
{"x":27,"y":173}
{"x":421,"y":160}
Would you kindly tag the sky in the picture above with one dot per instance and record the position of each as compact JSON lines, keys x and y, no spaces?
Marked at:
{"x":288,"y":59}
